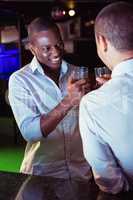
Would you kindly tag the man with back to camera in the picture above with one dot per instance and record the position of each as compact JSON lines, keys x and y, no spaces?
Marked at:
{"x":44,"y":101}
{"x":106,"y":114}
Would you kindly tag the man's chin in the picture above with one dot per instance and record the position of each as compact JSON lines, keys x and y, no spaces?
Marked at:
{"x":55,"y":65}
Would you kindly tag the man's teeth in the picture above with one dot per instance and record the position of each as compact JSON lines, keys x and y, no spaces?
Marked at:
{"x":55,"y":60}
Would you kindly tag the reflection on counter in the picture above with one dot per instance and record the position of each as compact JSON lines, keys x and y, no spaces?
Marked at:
{"x":16,"y":186}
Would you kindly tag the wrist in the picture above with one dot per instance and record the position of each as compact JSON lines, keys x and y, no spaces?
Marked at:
{"x":67,"y":102}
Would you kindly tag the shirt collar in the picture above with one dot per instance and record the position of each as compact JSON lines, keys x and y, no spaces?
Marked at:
{"x":64,"y":68}
{"x":35,"y":66}
{"x":123,"y":68}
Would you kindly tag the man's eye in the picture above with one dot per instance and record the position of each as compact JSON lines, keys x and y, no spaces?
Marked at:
{"x":45,"y":49}
{"x":59,"y":45}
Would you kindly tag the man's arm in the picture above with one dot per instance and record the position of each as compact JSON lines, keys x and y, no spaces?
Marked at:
{"x":107,"y":173}
{"x":75,"y":91}
{"x":31,"y":123}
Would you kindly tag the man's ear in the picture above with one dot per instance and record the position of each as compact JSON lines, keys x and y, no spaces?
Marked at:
{"x":31,"y":48}
{"x":102,"y":41}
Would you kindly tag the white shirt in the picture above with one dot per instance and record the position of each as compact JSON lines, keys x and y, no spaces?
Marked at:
{"x":32,"y":94}
{"x":106,"y":125}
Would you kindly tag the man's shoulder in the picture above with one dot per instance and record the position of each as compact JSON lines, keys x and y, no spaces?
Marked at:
{"x":99,"y":98}
{"x":20,"y":73}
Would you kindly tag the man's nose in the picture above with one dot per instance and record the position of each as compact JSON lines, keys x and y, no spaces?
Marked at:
{"x":55,"y":50}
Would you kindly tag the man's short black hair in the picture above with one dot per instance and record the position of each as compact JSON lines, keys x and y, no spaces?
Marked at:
{"x":41,"y":24}
{"x":115,"y":22}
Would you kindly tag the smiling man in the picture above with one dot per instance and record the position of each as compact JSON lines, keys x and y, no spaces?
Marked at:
{"x":45,"y":100}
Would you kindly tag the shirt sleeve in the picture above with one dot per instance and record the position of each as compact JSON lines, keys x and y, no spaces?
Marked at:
{"x":107,"y":173}
{"x":24,"y":109}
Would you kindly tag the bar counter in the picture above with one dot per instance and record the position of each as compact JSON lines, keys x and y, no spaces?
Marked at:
{"x":17,"y":186}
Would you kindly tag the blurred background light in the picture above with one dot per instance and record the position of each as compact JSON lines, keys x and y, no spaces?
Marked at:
{"x":71,"y":12}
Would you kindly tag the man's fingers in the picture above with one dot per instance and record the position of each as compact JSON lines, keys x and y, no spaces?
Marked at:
{"x":102,"y":80}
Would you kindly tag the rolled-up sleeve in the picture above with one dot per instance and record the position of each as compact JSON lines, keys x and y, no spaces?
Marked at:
{"x":24,"y":109}
{"x":107,"y":173}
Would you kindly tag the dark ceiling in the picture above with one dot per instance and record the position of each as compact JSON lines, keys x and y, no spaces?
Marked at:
{"x":10,"y":11}
{"x":32,"y":8}
{"x":29,"y":9}
{"x":43,"y":7}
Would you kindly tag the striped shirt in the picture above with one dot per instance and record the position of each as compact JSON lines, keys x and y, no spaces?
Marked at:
{"x":32,"y":94}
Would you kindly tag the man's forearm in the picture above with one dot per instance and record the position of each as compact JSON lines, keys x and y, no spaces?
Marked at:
{"x":49,"y":122}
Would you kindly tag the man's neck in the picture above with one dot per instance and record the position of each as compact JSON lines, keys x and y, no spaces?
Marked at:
{"x":54,"y":74}
{"x":123,"y":56}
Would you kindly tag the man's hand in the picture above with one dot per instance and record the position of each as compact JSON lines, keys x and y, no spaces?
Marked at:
{"x":103,"y":79}
{"x":76,"y":89}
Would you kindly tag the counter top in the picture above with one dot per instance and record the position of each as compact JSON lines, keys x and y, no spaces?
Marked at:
{"x":17,"y":186}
